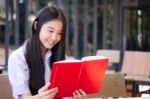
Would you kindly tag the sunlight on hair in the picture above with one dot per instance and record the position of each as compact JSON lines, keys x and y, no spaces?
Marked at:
{"x":31,"y":18}
{"x":51,"y":3}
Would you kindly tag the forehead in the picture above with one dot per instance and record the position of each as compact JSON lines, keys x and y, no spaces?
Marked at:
{"x":57,"y":23}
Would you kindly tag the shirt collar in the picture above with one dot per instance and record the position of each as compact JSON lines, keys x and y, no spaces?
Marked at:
{"x":48,"y":54}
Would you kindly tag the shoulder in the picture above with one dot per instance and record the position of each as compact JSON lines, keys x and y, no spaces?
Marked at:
{"x":16,"y":61}
{"x":18,"y":53}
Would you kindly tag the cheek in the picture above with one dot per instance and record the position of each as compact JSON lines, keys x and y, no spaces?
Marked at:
{"x":42,"y":35}
{"x":59,"y":38}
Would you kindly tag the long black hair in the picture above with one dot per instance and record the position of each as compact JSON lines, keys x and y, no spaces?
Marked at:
{"x":33,"y":53}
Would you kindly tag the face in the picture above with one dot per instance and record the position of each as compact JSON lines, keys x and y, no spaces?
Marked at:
{"x":50,"y":33}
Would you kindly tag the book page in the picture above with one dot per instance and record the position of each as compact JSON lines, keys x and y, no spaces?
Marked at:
{"x":93,"y":58}
{"x":68,"y":61}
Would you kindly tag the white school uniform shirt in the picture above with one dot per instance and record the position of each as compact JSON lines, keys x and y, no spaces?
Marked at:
{"x":18,"y":71}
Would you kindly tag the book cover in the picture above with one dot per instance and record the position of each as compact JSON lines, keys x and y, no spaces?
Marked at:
{"x":70,"y":75}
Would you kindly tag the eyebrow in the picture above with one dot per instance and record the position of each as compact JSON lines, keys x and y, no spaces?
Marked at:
{"x":54,"y":28}
{"x":51,"y":27}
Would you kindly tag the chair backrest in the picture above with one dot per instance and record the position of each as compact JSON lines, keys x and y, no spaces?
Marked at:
{"x":113,"y":86}
{"x":136,"y":63}
{"x":5,"y":87}
{"x":112,"y":55}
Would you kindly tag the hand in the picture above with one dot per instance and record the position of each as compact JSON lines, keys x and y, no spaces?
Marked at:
{"x":44,"y":93}
{"x":79,"y":94}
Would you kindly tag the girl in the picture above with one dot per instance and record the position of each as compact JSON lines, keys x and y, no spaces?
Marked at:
{"x":29,"y":66}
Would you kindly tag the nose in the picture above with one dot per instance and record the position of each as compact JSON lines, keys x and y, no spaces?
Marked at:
{"x":54,"y":36}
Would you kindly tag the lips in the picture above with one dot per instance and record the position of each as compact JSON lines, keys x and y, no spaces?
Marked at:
{"x":51,"y":42}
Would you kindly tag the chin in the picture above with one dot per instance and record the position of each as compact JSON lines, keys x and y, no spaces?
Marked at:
{"x":49,"y":47}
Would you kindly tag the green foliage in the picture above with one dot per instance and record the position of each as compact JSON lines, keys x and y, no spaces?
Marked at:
{"x":2,"y":13}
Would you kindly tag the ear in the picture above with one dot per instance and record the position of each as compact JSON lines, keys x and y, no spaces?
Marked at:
{"x":35,"y":25}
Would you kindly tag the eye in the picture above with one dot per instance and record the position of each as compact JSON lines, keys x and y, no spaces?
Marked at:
{"x":60,"y":33}
{"x":50,"y":31}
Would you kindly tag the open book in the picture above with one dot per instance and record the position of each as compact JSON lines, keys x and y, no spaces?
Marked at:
{"x":86,"y":74}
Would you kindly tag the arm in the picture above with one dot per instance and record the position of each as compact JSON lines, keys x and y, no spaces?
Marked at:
{"x":19,"y":77}
{"x":18,"y":74}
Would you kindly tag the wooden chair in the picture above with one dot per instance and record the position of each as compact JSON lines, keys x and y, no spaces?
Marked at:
{"x":136,"y":63}
{"x":1,"y":69}
{"x":5,"y":87}
{"x":136,"y":67}
{"x":113,"y":86}
{"x":112,"y":55}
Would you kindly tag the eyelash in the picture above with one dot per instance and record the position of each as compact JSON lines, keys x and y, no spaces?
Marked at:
{"x":52,"y":31}
{"x":60,"y":33}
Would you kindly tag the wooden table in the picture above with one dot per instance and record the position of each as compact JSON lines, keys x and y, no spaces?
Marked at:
{"x":136,"y":81}
{"x":136,"y":98}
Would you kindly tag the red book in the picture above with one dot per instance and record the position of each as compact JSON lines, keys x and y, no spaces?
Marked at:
{"x":86,"y":74}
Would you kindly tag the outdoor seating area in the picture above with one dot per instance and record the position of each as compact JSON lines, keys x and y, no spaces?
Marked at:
{"x":135,"y":68}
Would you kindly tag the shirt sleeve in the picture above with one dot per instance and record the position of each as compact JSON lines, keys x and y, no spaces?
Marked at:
{"x":18,"y":75}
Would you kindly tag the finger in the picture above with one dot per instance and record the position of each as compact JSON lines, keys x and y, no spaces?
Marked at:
{"x":77,"y":93}
{"x":82,"y":92}
{"x":53,"y":90}
{"x":70,"y":98}
{"x":44,"y":87}
{"x":74,"y":94}
{"x":51,"y":96}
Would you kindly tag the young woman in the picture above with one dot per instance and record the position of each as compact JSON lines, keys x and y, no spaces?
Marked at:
{"x":29,"y":66}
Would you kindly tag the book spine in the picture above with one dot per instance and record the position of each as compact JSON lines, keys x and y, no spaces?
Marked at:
{"x":79,"y":76}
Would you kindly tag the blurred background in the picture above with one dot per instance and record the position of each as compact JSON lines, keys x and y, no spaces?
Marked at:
{"x":92,"y":25}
